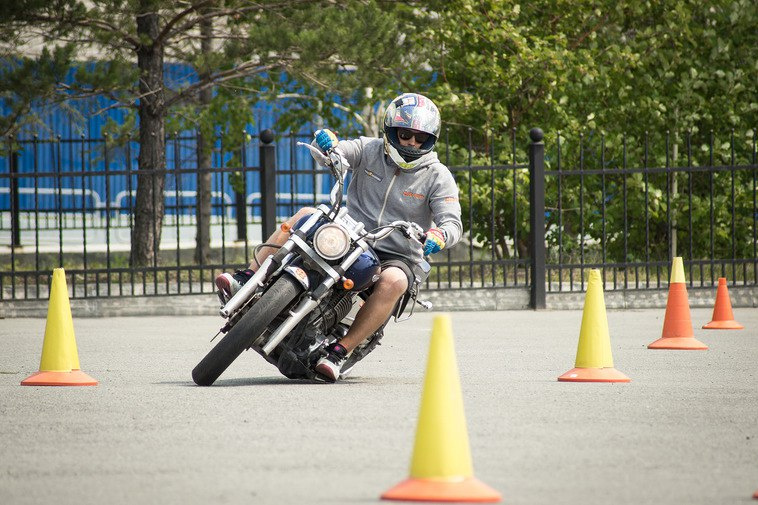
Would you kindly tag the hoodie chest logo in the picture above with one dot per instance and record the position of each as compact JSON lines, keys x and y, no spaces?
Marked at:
{"x":411,"y":194}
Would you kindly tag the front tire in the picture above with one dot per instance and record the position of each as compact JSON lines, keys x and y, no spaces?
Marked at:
{"x":243,"y":334}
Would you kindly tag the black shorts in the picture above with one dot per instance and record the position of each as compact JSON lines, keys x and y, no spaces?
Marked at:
{"x":393,"y":260}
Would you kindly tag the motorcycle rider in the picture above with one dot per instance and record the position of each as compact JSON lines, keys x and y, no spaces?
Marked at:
{"x":398,"y":178}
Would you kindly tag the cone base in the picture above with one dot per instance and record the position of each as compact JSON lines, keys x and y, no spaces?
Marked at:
{"x":609,"y":374}
{"x":678,"y":343}
{"x":465,"y":490}
{"x":730,"y":324}
{"x":72,"y":378}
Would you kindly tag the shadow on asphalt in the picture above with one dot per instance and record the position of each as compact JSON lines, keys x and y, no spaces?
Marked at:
{"x":259,"y":381}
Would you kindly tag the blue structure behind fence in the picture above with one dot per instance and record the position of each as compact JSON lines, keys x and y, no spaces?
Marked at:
{"x":534,"y":214}
{"x":99,"y":175}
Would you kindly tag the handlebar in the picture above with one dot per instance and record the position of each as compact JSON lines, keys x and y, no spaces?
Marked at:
{"x":409,"y":229}
{"x":338,"y":166}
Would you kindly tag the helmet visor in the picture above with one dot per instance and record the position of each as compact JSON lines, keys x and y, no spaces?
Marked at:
{"x":408,"y":134}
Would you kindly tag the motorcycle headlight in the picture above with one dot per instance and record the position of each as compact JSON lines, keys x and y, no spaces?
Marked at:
{"x":331,"y":242}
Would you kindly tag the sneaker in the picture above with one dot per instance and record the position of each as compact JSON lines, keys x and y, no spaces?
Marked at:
{"x":329,"y":366}
{"x":228,"y":284}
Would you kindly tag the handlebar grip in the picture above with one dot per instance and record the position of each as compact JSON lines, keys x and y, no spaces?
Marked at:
{"x":326,"y":140}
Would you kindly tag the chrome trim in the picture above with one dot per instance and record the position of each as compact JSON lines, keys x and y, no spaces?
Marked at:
{"x":308,"y":224}
{"x":353,"y":256}
{"x":251,"y":286}
{"x":315,"y":257}
{"x":345,"y":246}
{"x":307,"y":305}
{"x":299,"y":274}
{"x":246,"y":291}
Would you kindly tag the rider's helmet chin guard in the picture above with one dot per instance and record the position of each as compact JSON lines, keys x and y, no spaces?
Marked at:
{"x":415,"y":112}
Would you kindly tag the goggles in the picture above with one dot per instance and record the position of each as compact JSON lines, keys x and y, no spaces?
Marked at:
{"x":406,"y":134}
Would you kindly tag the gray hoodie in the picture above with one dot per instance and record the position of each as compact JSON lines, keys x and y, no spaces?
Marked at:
{"x":380,"y":192}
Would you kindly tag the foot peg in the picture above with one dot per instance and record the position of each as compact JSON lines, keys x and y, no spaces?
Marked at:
{"x":425,"y":303}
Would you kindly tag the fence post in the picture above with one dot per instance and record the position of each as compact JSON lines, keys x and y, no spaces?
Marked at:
{"x":241,"y":212}
{"x":15,"y":203}
{"x":268,"y":183}
{"x":240,"y":209}
{"x":537,"y":217}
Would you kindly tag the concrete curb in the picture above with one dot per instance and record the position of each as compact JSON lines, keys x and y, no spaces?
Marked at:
{"x":451,"y":300}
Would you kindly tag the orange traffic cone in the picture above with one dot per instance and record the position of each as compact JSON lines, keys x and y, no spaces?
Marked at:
{"x":594,"y":362}
{"x":723,"y":318}
{"x":59,"y":365}
{"x":677,"y":324}
{"x":441,"y":467}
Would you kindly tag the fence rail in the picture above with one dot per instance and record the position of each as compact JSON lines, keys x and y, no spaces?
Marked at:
{"x":631,"y":221}
{"x":538,"y":214}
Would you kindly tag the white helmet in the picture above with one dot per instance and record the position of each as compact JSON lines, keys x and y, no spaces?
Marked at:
{"x":415,"y":112}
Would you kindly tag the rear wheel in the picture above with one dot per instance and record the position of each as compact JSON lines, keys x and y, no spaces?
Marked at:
{"x":244,"y":333}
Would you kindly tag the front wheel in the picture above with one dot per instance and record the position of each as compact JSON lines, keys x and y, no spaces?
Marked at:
{"x":277,"y":298}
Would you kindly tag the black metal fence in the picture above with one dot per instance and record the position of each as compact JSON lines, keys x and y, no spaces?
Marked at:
{"x":594,"y":202}
{"x":629,"y":206}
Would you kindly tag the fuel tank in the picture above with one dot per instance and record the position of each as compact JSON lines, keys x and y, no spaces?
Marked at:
{"x":365,"y":271}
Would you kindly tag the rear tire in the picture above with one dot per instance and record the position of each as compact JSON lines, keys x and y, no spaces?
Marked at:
{"x":243,"y":334}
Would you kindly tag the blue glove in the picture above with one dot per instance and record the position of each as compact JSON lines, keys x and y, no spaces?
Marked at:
{"x":326,"y":139}
{"x":435,"y":241}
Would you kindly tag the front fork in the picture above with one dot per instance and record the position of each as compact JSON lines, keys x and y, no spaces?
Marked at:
{"x":310,"y":302}
{"x":263,"y":274}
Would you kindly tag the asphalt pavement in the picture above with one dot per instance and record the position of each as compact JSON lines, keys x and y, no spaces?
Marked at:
{"x":683,"y":431}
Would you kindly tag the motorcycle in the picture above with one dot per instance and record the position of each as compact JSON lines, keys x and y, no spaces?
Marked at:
{"x":305,"y":296}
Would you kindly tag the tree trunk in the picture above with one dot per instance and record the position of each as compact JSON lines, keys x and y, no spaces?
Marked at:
{"x":151,"y":178}
{"x":204,"y":145}
{"x":203,"y":238}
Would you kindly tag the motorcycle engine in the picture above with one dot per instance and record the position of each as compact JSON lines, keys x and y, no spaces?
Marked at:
{"x":335,"y":312}
{"x":298,"y":352}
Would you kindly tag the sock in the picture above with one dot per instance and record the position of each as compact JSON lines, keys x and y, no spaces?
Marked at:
{"x":338,"y":349}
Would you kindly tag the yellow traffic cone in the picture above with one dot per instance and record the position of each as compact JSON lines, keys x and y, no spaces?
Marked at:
{"x":59,"y":365}
{"x":594,"y":361}
{"x":441,"y":467}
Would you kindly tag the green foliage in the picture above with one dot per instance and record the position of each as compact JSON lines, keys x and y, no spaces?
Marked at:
{"x":609,"y":66}
{"x":313,"y":52}
{"x":650,"y":212}
{"x":350,"y":59}
{"x":630,"y":85}
{"x":612,"y":71}
{"x":26,"y":81}
{"x":240,"y":49}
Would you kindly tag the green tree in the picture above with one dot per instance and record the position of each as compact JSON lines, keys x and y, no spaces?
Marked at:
{"x":240,"y":48}
{"x":610,"y":71}
{"x":118,"y":49}
{"x":504,"y":66}
{"x":675,"y":72}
